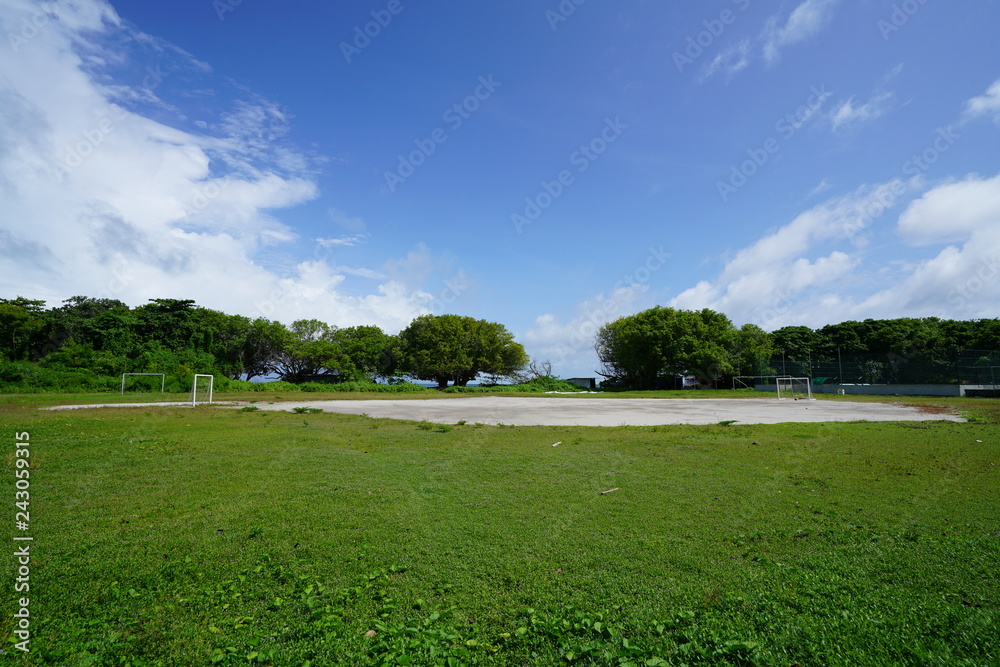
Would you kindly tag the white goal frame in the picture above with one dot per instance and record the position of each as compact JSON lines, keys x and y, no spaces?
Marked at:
{"x":163,"y":380}
{"x":194,"y":387}
{"x":791,"y":384}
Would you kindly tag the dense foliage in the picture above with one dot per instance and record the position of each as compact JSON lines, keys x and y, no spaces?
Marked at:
{"x":453,"y":348}
{"x":86,"y":344}
{"x":640,"y":350}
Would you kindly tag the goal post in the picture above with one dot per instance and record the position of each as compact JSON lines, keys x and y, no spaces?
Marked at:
{"x":163,"y":380}
{"x":194,"y":387}
{"x":795,"y":388}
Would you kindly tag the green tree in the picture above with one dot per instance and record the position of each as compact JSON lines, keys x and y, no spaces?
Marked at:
{"x":368,"y":351}
{"x":842,"y":338}
{"x":171,"y":322}
{"x":638,"y":349}
{"x":261,"y":348}
{"x":752,"y":351}
{"x":795,"y":342}
{"x":310,"y":351}
{"x":986,"y":335}
{"x":454,"y":348}
{"x":19,"y":323}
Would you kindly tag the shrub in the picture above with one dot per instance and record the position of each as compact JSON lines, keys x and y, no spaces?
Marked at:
{"x":279,"y":385}
{"x":537,"y":385}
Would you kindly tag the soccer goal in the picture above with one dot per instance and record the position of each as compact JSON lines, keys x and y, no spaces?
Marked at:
{"x":194,"y":388}
{"x":799,"y":389}
{"x":163,"y":380}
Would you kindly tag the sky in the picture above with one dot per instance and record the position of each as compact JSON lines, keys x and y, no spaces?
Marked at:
{"x":548,"y":165}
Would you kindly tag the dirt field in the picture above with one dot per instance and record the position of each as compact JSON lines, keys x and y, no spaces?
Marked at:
{"x":579,"y":411}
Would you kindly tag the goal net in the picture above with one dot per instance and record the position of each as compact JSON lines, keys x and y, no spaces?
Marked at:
{"x":794,"y":388}
{"x":207,"y":381}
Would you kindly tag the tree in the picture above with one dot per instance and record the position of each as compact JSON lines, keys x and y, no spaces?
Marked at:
{"x":368,"y":353}
{"x":261,"y":348}
{"x":454,"y":348}
{"x":535,"y":370}
{"x":171,"y":322}
{"x":752,"y":351}
{"x":19,"y":322}
{"x":840,"y":339}
{"x":309,"y":351}
{"x":795,"y":342}
{"x":638,"y":349}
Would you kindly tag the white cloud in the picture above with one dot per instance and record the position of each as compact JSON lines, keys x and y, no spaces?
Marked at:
{"x":804,"y":22}
{"x":953,"y":211}
{"x":822,"y":187}
{"x":345,"y":241}
{"x":775,"y":282}
{"x":97,"y":199}
{"x":766,"y":281}
{"x":960,"y":282}
{"x":569,"y":345}
{"x":988,"y":104}
{"x":351,"y":224}
{"x":730,"y":61}
{"x":850,"y":115}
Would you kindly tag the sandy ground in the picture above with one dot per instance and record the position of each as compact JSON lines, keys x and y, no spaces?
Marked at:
{"x":578,"y":411}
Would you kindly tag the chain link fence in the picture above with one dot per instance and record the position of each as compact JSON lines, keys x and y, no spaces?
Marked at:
{"x":955,"y":367}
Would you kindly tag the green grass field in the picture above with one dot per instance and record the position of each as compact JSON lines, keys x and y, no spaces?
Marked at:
{"x":179,"y":536}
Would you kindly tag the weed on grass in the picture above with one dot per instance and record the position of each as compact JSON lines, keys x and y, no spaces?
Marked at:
{"x":180,"y":537}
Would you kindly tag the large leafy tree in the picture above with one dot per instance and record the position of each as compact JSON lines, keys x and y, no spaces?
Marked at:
{"x":454,"y":348}
{"x":20,"y":321}
{"x":171,"y":322}
{"x":260,"y":348}
{"x":638,"y":349}
{"x":369,"y":353}
{"x":310,"y":350}
{"x":796,"y":342}
{"x":752,"y":351}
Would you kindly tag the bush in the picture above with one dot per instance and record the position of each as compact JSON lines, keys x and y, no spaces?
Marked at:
{"x":537,"y":385}
{"x":223,"y":383}
{"x":364,"y":386}
{"x":279,"y":385}
{"x":21,"y":377}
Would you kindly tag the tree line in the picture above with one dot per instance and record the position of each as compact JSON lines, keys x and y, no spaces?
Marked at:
{"x":105,"y":337}
{"x":176,"y":336}
{"x":642,"y":350}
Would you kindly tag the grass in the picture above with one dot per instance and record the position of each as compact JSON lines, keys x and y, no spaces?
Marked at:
{"x":179,"y":536}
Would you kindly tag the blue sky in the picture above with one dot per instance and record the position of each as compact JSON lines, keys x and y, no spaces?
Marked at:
{"x":550,"y":166}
